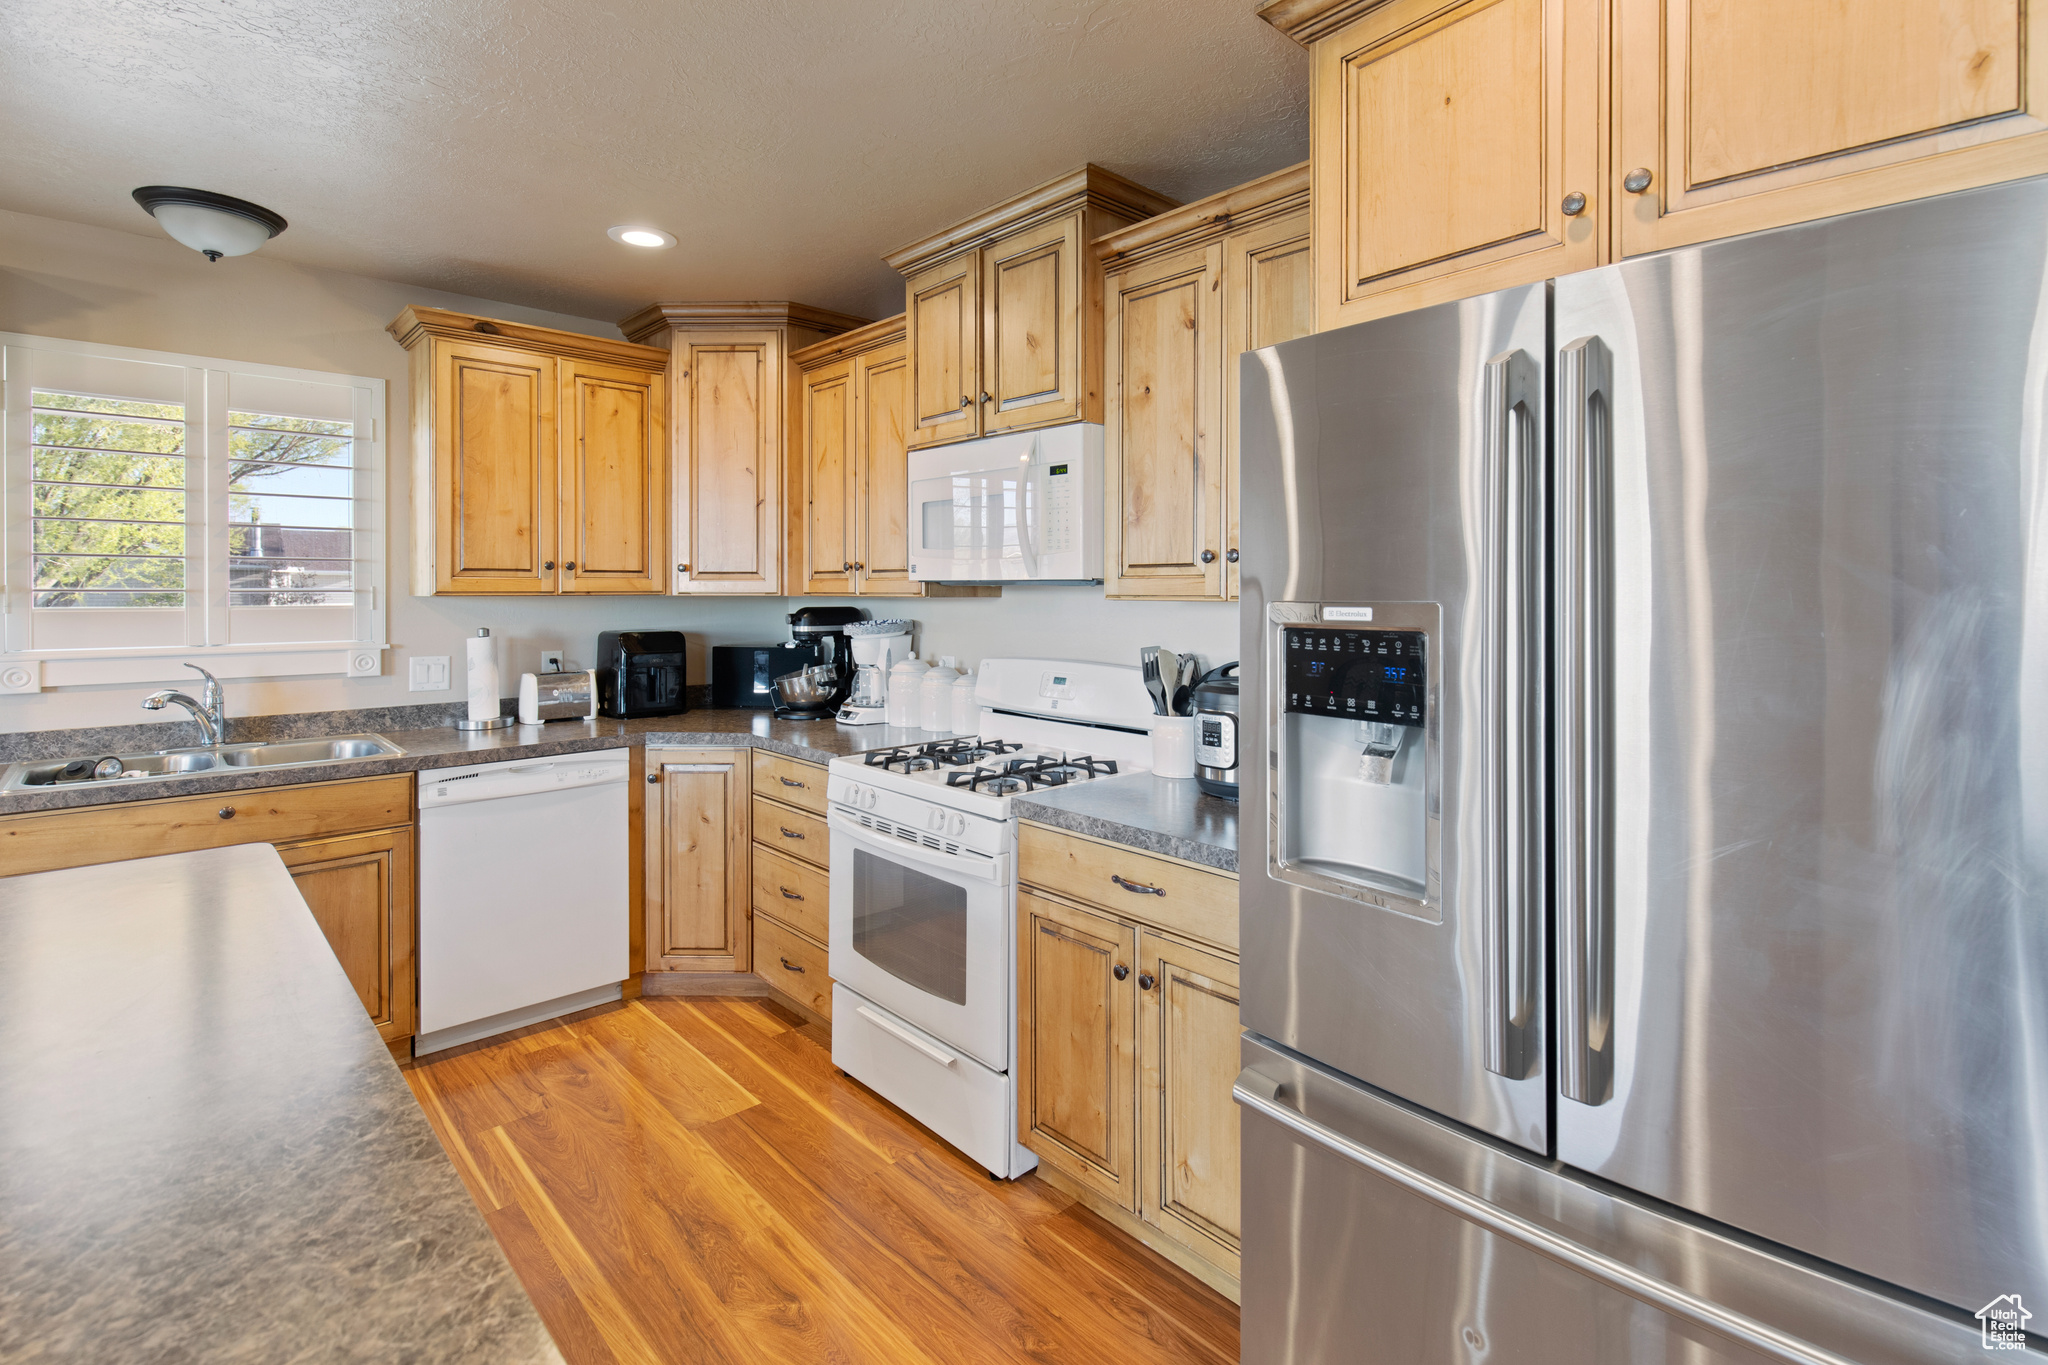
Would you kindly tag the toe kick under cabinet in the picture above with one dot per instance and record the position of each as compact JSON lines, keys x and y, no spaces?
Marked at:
{"x":348,"y":845}
{"x":1127,"y":993}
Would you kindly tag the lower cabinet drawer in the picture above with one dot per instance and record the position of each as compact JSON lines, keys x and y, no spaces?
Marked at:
{"x":793,"y":892}
{"x":797,"y":833}
{"x":799,"y":784}
{"x":45,"y":840}
{"x":795,"y":965}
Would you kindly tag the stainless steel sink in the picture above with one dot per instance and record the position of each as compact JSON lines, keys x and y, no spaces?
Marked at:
{"x":79,"y":769}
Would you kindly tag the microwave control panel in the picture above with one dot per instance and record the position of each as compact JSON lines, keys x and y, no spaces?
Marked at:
{"x":1370,"y":675}
{"x":1060,"y":509}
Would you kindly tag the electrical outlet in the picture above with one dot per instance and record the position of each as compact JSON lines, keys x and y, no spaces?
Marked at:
{"x":551,"y":660}
{"x":429,"y":673}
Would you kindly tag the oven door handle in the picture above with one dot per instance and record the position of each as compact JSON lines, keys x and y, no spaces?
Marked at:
{"x":976,"y":869}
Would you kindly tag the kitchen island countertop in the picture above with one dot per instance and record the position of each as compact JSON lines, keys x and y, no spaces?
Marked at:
{"x":209,"y":1153}
{"x":1169,"y":816}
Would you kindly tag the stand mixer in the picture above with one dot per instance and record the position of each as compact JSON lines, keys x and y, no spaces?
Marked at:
{"x":876,"y":646}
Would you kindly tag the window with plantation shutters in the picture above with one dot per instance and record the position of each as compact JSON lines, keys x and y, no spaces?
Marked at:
{"x":160,"y":508}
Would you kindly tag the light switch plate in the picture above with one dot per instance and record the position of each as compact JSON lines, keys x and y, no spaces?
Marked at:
{"x":551,"y":660}
{"x":429,"y":673}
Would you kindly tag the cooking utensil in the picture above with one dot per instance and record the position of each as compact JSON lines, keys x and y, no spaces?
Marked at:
{"x":1184,"y":684}
{"x":811,"y":686}
{"x":1148,"y":668}
{"x":1169,"y":678}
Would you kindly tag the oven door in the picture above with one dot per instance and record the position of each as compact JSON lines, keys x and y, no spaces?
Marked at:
{"x":924,"y":934}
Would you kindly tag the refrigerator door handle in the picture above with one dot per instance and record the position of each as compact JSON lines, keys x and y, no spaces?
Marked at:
{"x":1261,"y":1095}
{"x":1511,"y":749}
{"x":1585,"y":669}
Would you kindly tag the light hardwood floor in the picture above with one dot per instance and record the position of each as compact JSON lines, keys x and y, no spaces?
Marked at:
{"x":688,"y":1179}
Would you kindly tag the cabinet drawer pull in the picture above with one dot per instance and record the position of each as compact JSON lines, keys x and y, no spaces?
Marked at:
{"x":787,"y":965}
{"x":1146,"y":981}
{"x":1138,"y":887}
{"x":792,"y":782}
{"x":788,"y":894}
{"x":1120,"y":971}
{"x":789,"y":833}
{"x":227,"y":812}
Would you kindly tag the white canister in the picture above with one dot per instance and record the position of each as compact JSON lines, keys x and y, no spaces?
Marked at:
{"x":966,"y":713}
{"x":1173,"y":746}
{"x":903,"y":694}
{"x":935,"y":699}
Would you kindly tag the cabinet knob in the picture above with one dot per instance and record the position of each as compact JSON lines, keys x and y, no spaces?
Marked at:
{"x":1119,"y":971}
{"x":682,"y":568}
{"x":1637,"y":180}
{"x":1208,"y":556}
{"x":227,"y":812}
{"x":1230,"y":556}
{"x":985,"y":398}
{"x":859,"y":567}
{"x":1146,"y":981}
{"x":652,"y":778}
{"x":1574,"y":204}
{"x":965,"y":400}
{"x":847,"y":567}
{"x":570,"y":566}
{"x":549,"y":565}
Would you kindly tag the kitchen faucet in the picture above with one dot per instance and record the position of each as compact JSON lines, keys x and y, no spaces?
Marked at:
{"x":211,"y":712}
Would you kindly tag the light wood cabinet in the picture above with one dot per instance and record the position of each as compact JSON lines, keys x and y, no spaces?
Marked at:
{"x":734,"y":411}
{"x":792,"y":883}
{"x":1003,"y":312}
{"x":1185,"y":294}
{"x":1128,"y":1040}
{"x":360,"y":890}
{"x":349,"y":846}
{"x":853,"y":471}
{"x":1751,"y":114}
{"x":539,"y":458}
{"x":1473,"y":145}
{"x":1076,"y":1046}
{"x":698,"y":816}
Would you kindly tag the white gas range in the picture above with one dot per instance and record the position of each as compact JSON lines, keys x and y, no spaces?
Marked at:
{"x":924,"y":891}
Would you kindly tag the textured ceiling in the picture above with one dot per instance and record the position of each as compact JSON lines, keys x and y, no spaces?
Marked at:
{"x":484,"y":146}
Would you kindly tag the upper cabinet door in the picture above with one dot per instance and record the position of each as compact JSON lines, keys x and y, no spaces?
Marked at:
{"x":1164,"y":439}
{"x":944,"y":327}
{"x":1268,"y":298}
{"x":613,"y":490}
{"x":1451,"y":144}
{"x":729,"y":427}
{"x":1032,"y":303}
{"x":828,"y":470}
{"x":1750,"y":114}
{"x":494,"y":469}
{"x":882,"y":549}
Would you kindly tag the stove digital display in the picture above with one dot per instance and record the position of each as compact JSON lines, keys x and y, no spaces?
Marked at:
{"x":1375,"y":675}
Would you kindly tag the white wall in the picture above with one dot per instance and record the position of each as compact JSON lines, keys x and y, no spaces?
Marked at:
{"x":141,"y":289}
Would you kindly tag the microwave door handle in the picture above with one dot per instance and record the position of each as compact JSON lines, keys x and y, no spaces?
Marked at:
{"x":1027,"y":484}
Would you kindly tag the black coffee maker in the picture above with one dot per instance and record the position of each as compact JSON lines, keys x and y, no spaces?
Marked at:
{"x":815,"y":692}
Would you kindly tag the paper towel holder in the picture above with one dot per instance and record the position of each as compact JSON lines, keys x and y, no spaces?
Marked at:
{"x":497,"y":722}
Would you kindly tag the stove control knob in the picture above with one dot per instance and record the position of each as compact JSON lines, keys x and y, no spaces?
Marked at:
{"x":868,"y":800}
{"x":937,"y":820}
{"x":853,"y":794}
{"x":959,"y":825}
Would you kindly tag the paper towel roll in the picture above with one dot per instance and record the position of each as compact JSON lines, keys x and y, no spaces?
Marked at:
{"x":483,"y":677}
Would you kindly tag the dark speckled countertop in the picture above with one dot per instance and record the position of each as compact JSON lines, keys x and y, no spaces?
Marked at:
{"x":209,"y":1154}
{"x":1157,"y":814}
{"x":439,"y":746}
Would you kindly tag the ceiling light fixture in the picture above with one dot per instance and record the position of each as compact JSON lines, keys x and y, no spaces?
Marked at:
{"x":214,"y":225}
{"x":640,"y":236}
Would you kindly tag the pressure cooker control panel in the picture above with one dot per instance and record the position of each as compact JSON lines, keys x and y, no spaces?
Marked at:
{"x":1374,"y":675}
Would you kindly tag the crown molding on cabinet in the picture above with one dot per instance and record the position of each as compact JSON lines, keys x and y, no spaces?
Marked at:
{"x":651,"y":320}
{"x":418,"y":321}
{"x":876,"y":334}
{"x":1255,"y":201}
{"x":1091,"y":186}
{"x":1307,"y":20}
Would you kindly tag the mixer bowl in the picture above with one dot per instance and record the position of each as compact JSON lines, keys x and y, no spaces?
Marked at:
{"x":807,"y":687}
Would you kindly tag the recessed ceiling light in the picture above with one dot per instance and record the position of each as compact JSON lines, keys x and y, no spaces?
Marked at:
{"x":641,"y":236}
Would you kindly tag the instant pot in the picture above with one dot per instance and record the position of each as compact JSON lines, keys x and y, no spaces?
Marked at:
{"x":1214,"y":700}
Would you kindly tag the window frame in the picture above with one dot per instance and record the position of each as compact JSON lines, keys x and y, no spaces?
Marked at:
{"x":207,"y":619}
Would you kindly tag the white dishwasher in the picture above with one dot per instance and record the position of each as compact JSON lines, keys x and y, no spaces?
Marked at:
{"x":522,"y":893}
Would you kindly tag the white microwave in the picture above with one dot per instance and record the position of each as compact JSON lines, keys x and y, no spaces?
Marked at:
{"x":1006,"y":509}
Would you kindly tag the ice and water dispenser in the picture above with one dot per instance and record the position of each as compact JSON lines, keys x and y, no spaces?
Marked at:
{"x":1351,"y":705}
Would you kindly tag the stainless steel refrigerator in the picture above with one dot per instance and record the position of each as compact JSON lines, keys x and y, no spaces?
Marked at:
{"x":1645,"y":884}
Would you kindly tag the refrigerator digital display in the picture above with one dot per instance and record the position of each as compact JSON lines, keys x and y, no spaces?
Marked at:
{"x":1376,"y":675}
